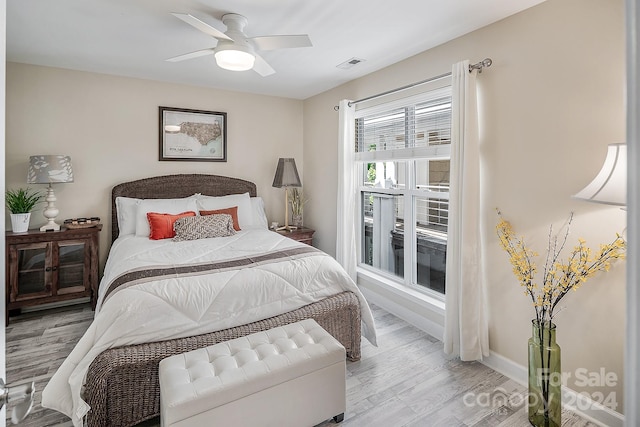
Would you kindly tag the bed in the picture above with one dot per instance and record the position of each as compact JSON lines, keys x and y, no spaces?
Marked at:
{"x":120,"y":385}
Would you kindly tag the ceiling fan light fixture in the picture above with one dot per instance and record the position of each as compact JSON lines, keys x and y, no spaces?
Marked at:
{"x":234,"y":58}
{"x":235,"y":51}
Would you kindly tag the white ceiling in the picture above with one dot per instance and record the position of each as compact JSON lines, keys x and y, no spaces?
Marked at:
{"x":134,"y":37}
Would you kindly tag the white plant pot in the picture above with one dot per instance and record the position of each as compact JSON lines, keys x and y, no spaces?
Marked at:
{"x":20,"y":222}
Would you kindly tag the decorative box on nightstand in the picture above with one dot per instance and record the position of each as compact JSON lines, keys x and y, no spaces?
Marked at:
{"x":44,"y":267}
{"x":304,"y":235}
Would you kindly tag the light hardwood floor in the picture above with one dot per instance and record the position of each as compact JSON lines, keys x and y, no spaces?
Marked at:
{"x":407,"y":381}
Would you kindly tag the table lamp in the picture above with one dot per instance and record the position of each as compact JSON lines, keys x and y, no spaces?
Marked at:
{"x":50,"y":169}
{"x":286,"y":176}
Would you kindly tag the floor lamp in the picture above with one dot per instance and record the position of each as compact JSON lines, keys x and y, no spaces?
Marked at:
{"x":286,"y":176}
{"x":610,"y":185}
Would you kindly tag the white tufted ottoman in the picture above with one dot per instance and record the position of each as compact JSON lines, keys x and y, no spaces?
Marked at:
{"x":292,"y":375}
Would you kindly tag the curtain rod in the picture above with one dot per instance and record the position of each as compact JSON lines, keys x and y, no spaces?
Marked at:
{"x":477,"y":66}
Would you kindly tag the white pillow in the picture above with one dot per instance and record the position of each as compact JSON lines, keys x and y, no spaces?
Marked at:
{"x":126,"y":210}
{"x":170,"y":206}
{"x":242,"y":201}
{"x":259,"y":217}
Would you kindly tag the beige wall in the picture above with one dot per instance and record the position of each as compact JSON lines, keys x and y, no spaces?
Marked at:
{"x":109,"y":127}
{"x":551,"y":102}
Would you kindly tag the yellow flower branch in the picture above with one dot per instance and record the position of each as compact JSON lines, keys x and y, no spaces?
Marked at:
{"x":558,"y":278}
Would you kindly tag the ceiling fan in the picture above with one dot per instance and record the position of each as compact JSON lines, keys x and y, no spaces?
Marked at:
{"x":235,"y":51}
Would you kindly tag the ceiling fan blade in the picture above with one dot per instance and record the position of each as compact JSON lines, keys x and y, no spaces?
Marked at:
{"x":202,"y":26}
{"x":195,"y":54}
{"x":281,"y":42}
{"x":262,"y":67}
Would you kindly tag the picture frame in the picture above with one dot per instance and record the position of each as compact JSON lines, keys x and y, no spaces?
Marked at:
{"x":192,"y":135}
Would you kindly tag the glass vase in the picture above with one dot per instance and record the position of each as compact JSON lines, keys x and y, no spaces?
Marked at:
{"x":296,"y":220}
{"x":545,"y":377}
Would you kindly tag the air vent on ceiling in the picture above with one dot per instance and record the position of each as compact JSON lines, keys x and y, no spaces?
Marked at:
{"x":350,"y":63}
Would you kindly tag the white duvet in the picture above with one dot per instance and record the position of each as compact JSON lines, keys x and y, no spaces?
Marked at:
{"x":178,"y":307}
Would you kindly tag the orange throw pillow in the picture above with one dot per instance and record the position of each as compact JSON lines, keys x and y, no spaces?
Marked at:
{"x":231,"y":211}
{"x":161,"y":224}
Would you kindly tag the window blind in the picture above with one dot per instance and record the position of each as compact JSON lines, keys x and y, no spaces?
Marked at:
{"x":415,"y":127}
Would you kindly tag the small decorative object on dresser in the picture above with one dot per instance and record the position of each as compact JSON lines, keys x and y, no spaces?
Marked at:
{"x":20,"y":203}
{"x":74,"y":223}
{"x":297,"y":202}
{"x":303,"y":235}
{"x":44,"y":267}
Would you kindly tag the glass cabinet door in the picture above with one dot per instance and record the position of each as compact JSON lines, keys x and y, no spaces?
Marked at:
{"x":72,"y":266}
{"x":33,"y":273}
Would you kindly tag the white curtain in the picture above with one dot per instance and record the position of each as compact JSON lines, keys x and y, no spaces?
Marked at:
{"x":466,"y":330}
{"x":347,"y":189}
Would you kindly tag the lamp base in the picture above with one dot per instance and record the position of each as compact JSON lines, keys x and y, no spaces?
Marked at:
{"x":287,"y":227}
{"x":50,"y":212}
{"x":50,"y":226}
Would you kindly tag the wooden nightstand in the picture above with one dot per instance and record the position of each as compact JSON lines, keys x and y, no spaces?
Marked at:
{"x":304,"y":235}
{"x":44,"y":267}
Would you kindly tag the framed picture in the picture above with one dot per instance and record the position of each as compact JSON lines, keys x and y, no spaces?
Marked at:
{"x":193,"y":135}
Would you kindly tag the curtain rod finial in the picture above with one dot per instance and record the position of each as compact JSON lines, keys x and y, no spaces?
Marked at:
{"x":480,"y":65}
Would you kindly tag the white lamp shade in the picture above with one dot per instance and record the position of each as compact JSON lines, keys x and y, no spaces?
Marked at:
{"x":610,"y":185}
{"x":234,"y":59}
{"x":49,"y":169}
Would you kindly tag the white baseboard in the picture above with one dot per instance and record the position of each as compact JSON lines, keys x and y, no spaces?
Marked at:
{"x":507,"y":367}
{"x":57,"y":304}
{"x":572,"y":400}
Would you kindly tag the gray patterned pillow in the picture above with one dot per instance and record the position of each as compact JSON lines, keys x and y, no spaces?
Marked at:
{"x":202,"y":227}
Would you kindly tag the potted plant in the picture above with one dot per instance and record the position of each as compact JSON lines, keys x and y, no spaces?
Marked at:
{"x":297,"y":201}
{"x":20,"y":203}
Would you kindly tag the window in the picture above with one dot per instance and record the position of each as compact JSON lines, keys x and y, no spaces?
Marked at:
{"x":402,"y":156}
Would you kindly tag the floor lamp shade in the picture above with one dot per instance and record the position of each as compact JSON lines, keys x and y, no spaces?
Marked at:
{"x":286,"y":176}
{"x":610,"y":184}
{"x":50,"y":169}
